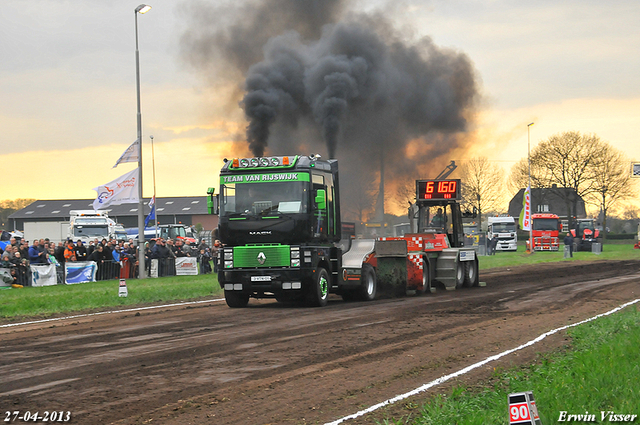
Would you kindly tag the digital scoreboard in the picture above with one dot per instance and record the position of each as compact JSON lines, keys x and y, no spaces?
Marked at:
{"x":438,"y":190}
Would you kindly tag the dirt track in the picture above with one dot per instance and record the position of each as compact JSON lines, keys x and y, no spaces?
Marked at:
{"x":274,"y":364}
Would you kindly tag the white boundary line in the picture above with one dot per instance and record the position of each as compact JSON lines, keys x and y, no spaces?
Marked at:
{"x":109,"y":312}
{"x":445,"y":378}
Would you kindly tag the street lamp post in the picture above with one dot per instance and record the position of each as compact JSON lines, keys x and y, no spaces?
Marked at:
{"x":153,"y":164}
{"x":531,"y":190}
{"x":143,"y":8}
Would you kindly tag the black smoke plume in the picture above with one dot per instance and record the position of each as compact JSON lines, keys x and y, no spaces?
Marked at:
{"x":316,"y":77}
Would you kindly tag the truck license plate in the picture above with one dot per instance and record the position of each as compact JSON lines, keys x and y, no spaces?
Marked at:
{"x":260,"y":278}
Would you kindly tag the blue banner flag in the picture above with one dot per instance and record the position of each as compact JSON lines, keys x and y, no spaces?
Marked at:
{"x":80,"y":271}
{"x":152,"y":214}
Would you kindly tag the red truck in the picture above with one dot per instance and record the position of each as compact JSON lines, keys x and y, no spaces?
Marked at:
{"x":545,"y":229}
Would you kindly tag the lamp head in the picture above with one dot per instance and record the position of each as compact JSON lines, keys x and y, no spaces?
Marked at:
{"x":143,"y":8}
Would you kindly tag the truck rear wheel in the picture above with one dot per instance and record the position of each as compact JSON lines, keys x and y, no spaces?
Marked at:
{"x":319,"y":291}
{"x":236,"y":299}
{"x":369,"y":283}
{"x":471,"y":273}
{"x":426,"y":277}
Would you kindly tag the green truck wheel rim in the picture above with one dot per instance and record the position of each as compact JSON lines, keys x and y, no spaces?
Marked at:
{"x":324,"y":286}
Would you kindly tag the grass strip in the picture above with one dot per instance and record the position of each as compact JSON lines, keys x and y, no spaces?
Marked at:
{"x":49,"y":300}
{"x":618,"y":251}
{"x":598,"y":372}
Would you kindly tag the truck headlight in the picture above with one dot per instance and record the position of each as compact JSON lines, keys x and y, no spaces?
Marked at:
{"x":228,"y":255}
{"x":295,"y":262}
{"x":228,"y":264}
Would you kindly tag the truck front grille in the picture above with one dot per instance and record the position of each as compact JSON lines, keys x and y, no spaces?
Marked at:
{"x":253,"y":256}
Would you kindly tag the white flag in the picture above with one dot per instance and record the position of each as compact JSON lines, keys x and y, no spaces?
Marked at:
{"x":132,"y":154}
{"x":123,"y":190}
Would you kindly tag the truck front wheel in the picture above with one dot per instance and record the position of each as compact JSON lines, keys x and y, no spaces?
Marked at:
{"x":319,"y":291}
{"x":236,"y":299}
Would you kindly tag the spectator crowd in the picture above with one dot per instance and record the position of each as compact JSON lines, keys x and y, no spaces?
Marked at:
{"x":114,"y":258}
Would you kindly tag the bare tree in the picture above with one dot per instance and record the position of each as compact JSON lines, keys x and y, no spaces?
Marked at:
{"x":482,"y":185}
{"x":566,"y":160}
{"x":9,"y":206}
{"x":612,"y":180}
{"x":358,"y":200}
{"x":405,"y":193}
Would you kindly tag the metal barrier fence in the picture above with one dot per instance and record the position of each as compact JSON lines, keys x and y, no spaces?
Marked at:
{"x":109,"y":270}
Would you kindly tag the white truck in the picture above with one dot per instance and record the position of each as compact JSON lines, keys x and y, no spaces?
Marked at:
{"x":87,"y":225}
{"x":503,"y":228}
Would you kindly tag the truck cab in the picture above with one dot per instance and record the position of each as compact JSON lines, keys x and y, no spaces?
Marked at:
{"x":87,"y":225}
{"x":504,"y":229}
{"x":545,"y":230}
{"x":279,"y":223}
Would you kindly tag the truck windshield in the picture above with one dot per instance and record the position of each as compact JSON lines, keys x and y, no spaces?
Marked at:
{"x":504,"y":227}
{"x":585,"y":225}
{"x":172,"y":232}
{"x":264,"y":198}
{"x":545,"y":224}
{"x":91,"y":231}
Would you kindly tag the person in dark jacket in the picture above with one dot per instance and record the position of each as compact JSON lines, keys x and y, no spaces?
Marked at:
{"x":81,"y":251}
{"x":100,"y":257}
{"x":204,"y":259}
{"x":165,"y":257}
{"x":59,"y":253}
{"x":568,"y":241}
{"x":179,"y":249}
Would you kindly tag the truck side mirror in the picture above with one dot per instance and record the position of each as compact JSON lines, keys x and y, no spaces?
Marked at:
{"x":321,"y":199}
{"x":212,"y":201}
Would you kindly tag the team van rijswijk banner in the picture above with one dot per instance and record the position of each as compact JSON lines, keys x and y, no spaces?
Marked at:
{"x":123,"y":190}
{"x":264,"y":178}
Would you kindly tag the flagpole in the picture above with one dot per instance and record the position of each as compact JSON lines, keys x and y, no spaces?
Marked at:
{"x":141,"y":263}
{"x":530,"y":190}
{"x":153,"y":163}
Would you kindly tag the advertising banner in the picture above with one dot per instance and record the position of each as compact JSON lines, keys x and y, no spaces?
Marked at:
{"x":5,"y":277}
{"x":525,"y":214}
{"x":186,"y":266}
{"x":43,"y":275}
{"x":153,"y":268}
{"x":80,"y":272}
